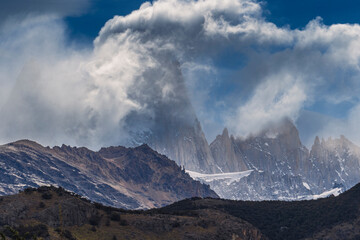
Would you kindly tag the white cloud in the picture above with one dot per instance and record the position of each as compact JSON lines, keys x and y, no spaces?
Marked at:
{"x":322,"y":60}
{"x":280,"y":96}
{"x":134,"y":76}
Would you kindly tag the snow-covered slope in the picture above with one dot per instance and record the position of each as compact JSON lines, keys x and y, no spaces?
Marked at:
{"x":218,"y":181}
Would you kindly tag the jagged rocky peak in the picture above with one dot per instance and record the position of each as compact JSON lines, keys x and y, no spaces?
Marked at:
{"x":185,"y":143}
{"x":335,"y":161}
{"x":226,"y":158}
{"x":280,"y":167}
{"x":274,"y":157}
{"x":224,"y":137}
{"x":340,"y":145}
{"x":341,"y":142}
{"x":277,"y":142}
{"x":317,"y":146}
{"x":285,"y":131}
{"x":317,"y":141}
{"x":225,"y":133}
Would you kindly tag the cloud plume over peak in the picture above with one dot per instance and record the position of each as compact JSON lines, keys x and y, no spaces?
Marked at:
{"x":280,"y":96}
{"x":170,"y":59}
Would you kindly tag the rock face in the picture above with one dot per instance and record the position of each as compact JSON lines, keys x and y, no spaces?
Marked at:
{"x":227,"y":155}
{"x":282,"y":167}
{"x":276,"y":157}
{"x":335,"y":161}
{"x":186,"y":144}
{"x":117,"y":176}
{"x":175,"y":133}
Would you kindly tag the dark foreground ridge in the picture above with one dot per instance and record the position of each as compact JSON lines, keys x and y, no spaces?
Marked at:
{"x":53,"y":213}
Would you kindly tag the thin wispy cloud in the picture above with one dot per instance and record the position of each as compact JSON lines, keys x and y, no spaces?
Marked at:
{"x":17,"y":9}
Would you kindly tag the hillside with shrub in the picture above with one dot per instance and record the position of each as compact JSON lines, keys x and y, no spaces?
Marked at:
{"x":53,"y":213}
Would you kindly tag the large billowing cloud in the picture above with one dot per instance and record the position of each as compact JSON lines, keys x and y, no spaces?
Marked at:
{"x":147,"y":65}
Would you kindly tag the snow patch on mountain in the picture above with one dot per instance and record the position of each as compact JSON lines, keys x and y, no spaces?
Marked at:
{"x":229,"y":178}
{"x":306,"y":185}
{"x":335,"y":192}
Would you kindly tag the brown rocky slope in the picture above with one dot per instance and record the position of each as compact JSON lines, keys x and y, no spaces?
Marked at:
{"x":117,"y":176}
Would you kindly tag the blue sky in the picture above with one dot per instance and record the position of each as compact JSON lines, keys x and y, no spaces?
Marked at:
{"x":302,"y":67}
{"x":296,"y":13}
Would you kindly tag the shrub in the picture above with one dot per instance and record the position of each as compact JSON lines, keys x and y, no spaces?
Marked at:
{"x":115,"y":217}
{"x":39,"y":230}
{"x":123,"y":222}
{"x":94,"y":220}
{"x":46,"y":195}
{"x":29,"y":190}
{"x":98,"y":205}
{"x":67,"y":234}
{"x":175,"y":224}
{"x":107,"y":223}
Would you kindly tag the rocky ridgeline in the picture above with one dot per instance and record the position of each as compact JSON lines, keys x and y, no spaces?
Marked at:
{"x":282,"y":167}
{"x":116,"y":176}
{"x":279,"y":167}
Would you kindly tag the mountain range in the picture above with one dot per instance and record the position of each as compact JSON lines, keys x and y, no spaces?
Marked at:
{"x":279,"y":166}
{"x":116,"y":176}
{"x":270,"y":165}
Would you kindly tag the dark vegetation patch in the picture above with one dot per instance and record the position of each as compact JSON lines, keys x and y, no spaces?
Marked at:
{"x":277,"y":219}
{"x":46,"y":196}
{"x":65,"y":234}
{"x":27,"y":232}
{"x":123,"y":222}
{"x":94,"y":220}
{"x":41,"y":205}
{"x":115,"y":217}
